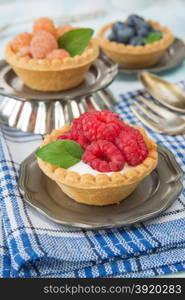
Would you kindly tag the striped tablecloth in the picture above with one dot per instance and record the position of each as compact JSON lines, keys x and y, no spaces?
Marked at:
{"x":33,"y":246}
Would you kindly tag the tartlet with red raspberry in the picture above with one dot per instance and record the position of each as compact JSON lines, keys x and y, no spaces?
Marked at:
{"x":113,"y":158}
{"x":52,"y":58}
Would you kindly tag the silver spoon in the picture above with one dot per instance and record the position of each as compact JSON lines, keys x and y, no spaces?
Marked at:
{"x":165,"y":92}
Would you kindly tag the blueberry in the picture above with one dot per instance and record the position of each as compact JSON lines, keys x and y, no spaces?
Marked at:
{"x":143,"y":24}
{"x":113,"y":37}
{"x":136,"y":41}
{"x":118,"y":26}
{"x":134,"y":19}
{"x":142,"y":31}
{"x":124,"y":35}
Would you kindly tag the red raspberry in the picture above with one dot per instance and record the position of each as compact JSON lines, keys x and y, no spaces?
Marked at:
{"x":106,"y":116}
{"x":58,"y":53}
{"x":103,"y":125}
{"x":45,"y":24}
{"x":131,"y":143}
{"x":104,"y":156}
{"x":77,"y":123}
{"x":95,"y":130}
{"x":42,"y":44}
{"x":63,"y":29}
{"x":21,"y":40}
{"x":76,"y":136}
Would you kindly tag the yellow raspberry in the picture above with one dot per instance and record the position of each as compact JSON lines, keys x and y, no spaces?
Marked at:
{"x":42,"y":44}
{"x":58,"y":53}
{"x":21,"y":40}
{"x":45,"y":24}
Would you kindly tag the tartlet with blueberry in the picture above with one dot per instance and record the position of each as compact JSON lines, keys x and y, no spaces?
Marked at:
{"x":135,"y":43}
{"x":52,"y":58}
{"x":99,"y":159}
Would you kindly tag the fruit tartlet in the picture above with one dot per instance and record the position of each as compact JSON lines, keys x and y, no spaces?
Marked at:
{"x":135,"y":43}
{"x":99,"y":159}
{"x":52,"y":58}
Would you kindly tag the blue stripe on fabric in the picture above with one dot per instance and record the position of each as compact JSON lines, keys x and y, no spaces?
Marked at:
{"x":88,"y":272}
{"x":76,"y":273}
{"x":166,"y":269}
{"x":28,"y":246}
{"x":117,"y":243}
{"x":128,"y":239}
{"x":179,"y":267}
{"x":114,"y":267}
{"x":103,"y":244}
{"x":18,"y":259}
{"x":124,"y":234}
{"x":6,"y":265}
{"x":127,"y":266}
{"x":142,"y":239}
{"x":102,"y":271}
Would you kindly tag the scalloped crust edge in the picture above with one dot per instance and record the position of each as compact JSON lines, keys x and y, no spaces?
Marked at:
{"x":89,"y":55}
{"x":99,"y":190}
{"x":101,"y":180}
{"x":137,"y":50}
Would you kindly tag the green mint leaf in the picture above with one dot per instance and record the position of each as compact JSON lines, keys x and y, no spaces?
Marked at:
{"x":153,"y":37}
{"x":75,"y":41}
{"x":61,"y":153}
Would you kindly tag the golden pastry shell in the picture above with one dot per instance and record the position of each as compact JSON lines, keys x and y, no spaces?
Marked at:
{"x":55,"y":64}
{"x":69,"y":178}
{"x":157,"y":46}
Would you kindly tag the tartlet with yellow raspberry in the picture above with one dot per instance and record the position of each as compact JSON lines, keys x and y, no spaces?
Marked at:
{"x":51,"y":58}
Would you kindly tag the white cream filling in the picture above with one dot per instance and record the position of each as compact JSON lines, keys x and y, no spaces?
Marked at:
{"x":82,"y":168}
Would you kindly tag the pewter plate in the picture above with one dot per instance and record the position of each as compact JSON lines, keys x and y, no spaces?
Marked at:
{"x":155,"y":194}
{"x":100,"y":75}
{"x":173,"y":57}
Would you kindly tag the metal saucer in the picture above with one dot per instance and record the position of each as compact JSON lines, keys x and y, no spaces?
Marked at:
{"x":155,"y":194}
{"x":173,"y":57}
{"x":40,"y":112}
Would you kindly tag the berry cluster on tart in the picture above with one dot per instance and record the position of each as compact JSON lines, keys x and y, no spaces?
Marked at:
{"x":99,"y":159}
{"x":135,"y":42}
{"x":52,"y":58}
